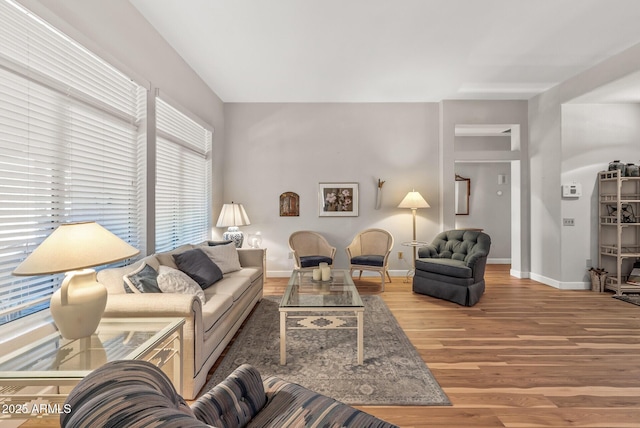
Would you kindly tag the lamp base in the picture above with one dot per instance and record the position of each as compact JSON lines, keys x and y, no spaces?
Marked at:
{"x":78,"y":305}
{"x":234,"y":234}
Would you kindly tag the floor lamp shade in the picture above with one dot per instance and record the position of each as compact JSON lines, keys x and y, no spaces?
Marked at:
{"x":233,"y":215}
{"x":77,"y":306}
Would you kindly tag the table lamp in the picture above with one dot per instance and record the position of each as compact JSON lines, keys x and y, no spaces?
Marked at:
{"x":414,"y":200}
{"x":233,"y":215}
{"x":77,"y":306}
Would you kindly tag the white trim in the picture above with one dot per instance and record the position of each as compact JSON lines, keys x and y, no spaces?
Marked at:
{"x":561,"y":285}
{"x":499,"y":261}
{"x":544,"y":280}
{"x":519,"y":274}
{"x":287,"y":273}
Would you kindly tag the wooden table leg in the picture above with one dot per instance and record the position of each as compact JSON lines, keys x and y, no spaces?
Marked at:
{"x":360,"y":315}
{"x":283,"y":338}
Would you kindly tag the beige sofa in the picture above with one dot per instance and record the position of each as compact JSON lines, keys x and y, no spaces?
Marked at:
{"x":208,"y":328}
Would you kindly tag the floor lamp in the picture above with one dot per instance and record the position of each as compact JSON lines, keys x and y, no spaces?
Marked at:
{"x":414,"y":200}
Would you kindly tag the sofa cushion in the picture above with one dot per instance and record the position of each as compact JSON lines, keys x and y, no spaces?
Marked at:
{"x":199,"y":267}
{"x":373,"y":260}
{"x":311,"y":261}
{"x":216,"y":308}
{"x":292,"y":405}
{"x":142,"y":280}
{"x":448,"y":267}
{"x":252,"y":273}
{"x":225,"y":256}
{"x":172,"y":280}
{"x":234,"y":401}
{"x":234,"y":286}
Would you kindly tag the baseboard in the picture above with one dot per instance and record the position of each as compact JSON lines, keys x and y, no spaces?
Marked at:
{"x":498,"y":261}
{"x":287,"y":273}
{"x":519,"y":274}
{"x":561,"y":285}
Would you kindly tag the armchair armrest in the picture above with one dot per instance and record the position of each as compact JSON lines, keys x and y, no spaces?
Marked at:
{"x":428,"y":251}
{"x":474,"y":258}
{"x":233,"y":402}
{"x":353,"y":250}
{"x":477,"y":262}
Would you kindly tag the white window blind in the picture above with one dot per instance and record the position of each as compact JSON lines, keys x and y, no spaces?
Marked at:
{"x":70,"y":149}
{"x":183,"y":179}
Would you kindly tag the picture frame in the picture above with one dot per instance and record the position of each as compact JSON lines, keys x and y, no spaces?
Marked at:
{"x":289,"y":204}
{"x":337,"y":199}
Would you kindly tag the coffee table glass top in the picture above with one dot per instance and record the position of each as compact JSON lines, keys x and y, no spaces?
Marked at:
{"x":303,"y":292}
{"x":115,"y":339}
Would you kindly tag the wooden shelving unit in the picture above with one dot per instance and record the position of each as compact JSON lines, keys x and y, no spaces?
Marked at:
{"x":618,"y":228}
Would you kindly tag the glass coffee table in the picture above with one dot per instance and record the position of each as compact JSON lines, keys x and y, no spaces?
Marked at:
{"x":36,"y":379}
{"x":305,"y":295}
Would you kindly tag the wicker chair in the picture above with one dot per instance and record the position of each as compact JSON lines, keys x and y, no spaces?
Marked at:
{"x":310,"y":249}
{"x":370,"y":250}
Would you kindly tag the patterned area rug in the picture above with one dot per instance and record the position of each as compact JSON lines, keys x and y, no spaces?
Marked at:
{"x":634,"y":299}
{"x":325,"y":360}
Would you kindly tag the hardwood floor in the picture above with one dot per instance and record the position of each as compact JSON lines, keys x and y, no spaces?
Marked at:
{"x":527,"y":355}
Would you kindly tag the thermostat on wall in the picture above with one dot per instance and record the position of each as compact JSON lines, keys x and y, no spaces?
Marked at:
{"x":573,"y":190}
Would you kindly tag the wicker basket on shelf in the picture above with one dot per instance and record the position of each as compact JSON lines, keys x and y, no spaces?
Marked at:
{"x":598,"y":279}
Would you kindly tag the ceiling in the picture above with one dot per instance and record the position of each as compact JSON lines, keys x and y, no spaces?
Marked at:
{"x":391,"y":50}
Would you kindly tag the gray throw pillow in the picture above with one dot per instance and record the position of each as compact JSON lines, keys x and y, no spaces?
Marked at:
{"x":142,"y":280}
{"x":224,"y":256}
{"x":199,"y":267}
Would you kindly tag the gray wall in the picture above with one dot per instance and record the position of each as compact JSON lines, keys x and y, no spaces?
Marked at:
{"x":487,"y":209}
{"x":275,"y":148}
{"x":551,"y":247}
{"x":592,"y":136}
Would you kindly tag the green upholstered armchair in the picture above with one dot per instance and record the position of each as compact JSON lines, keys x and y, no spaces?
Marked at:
{"x":452,"y":267}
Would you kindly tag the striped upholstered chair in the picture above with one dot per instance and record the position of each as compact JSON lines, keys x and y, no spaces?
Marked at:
{"x":136,"y":394}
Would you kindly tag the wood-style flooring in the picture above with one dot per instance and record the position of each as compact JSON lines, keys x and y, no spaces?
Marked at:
{"x":527,"y":355}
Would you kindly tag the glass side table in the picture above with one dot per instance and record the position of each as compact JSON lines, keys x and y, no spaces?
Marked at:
{"x":415,"y":245}
{"x":36,"y":379}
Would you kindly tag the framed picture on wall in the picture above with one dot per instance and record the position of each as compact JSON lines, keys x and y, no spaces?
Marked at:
{"x":338,"y":200}
{"x":289,"y":204}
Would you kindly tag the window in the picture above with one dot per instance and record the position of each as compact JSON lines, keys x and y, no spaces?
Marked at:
{"x":70,"y":149}
{"x":183,"y":179}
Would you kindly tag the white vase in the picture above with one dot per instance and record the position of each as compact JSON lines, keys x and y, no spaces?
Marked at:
{"x":77,"y":306}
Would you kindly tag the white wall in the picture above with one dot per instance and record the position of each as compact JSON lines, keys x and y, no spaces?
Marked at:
{"x":550,"y":248}
{"x":465,"y":112}
{"x":592,"y":136}
{"x":487,"y":209}
{"x":275,"y":148}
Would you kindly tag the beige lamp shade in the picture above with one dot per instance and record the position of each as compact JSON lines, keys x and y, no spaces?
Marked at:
{"x":75,"y":246}
{"x":414,"y":200}
{"x":77,"y":306}
{"x":233,"y":215}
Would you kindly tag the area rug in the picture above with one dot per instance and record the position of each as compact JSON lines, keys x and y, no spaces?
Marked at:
{"x":634,"y":299}
{"x":325,"y":361}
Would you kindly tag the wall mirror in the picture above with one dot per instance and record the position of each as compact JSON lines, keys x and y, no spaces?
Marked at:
{"x":463,"y":191}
